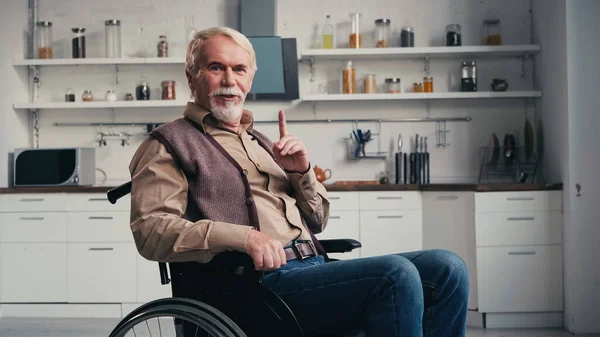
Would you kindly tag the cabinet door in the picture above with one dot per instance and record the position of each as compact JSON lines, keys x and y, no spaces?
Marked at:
{"x":33,"y":227}
{"x":449,"y":223}
{"x":389,"y":232}
{"x":342,"y":225}
{"x":33,"y":272}
{"x":102,"y":272}
{"x":148,"y":281}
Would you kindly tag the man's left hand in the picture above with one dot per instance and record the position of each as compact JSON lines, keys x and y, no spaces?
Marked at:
{"x":289,"y":151}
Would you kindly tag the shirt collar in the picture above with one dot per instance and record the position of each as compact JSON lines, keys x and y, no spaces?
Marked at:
{"x":203,"y":117}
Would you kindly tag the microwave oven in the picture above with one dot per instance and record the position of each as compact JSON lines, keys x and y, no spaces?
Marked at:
{"x":54,"y":167}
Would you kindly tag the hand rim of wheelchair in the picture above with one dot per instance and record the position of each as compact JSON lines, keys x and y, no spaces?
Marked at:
{"x":205,"y":316}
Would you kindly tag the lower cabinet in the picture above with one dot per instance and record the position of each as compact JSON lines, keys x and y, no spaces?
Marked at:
{"x":389,"y":232}
{"x":149,"y":287}
{"x":342,"y":225}
{"x":33,"y":272}
{"x":102,"y":272}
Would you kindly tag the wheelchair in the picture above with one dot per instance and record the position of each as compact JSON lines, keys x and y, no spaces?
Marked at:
{"x":222,"y":298}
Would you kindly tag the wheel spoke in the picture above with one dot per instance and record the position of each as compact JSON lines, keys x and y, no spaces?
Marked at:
{"x":148,"y":326}
{"x":159,"y":328}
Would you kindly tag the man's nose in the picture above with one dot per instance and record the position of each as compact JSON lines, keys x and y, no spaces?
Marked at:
{"x":228,"y":79}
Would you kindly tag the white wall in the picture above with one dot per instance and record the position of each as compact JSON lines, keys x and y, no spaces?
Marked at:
{"x":295,"y":19}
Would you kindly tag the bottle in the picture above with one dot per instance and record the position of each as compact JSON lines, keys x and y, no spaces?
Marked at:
{"x":328,"y":34}
{"x":44,"y":39}
{"x":162,"y":47}
{"x":349,"y":79}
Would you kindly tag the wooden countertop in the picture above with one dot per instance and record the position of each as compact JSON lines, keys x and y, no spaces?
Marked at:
{"x":330,"y":187}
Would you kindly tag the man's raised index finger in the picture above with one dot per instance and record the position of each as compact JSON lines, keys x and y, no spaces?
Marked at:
{"x":282,"y":124}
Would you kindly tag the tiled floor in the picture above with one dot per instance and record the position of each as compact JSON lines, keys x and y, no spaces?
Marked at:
{"x":28,"y":327}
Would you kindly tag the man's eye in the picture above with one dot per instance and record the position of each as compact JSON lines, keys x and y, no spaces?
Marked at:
{"x":239,"y":69}
{"x":214,"y":68}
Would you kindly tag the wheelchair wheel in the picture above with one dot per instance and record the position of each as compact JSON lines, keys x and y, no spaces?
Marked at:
{"x":177,"y":317}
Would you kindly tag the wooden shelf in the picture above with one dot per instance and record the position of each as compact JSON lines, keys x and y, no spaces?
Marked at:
{"x":420,"y":52}
{"x":422,"y":96}
{"x":101,"y":104}
{"x":99,"y":61}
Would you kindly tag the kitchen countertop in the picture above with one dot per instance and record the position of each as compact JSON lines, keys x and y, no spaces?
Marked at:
{"x":331,"y":187}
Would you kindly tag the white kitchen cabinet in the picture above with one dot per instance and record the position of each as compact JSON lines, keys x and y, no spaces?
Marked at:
{"x":389,"y":232}
{"x":96,"y":202}
{"x":518,"y":201}
{"x":99,"y":227}
{"x":33,"y":227}
{"x":102,"y":272}
{"x":344,"y":201}
{"x":149,"y":287}
{"x":519,"y":228}
{"x":33,"y":272}
{"x":342,"y":225}
{"x":449,"y":223}
{"x":390,"y":200}
{"x":33,"y":202}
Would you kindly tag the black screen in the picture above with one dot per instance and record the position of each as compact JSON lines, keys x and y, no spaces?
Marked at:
{"x":44,"y":167}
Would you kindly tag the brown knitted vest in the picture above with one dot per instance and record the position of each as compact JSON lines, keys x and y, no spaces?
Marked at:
{"x":218,"y":188}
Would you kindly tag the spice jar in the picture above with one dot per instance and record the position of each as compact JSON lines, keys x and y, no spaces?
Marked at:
{"x":417,"y":87}
{"x":44,"y":39}
{"x":349,"y":79}
{"x":129,"y":96}
{"x":393,"y":85}
{"x":492,"y":35}
{"x":427,"y":84}
{"x":370,"y":84}
{"x":87,"y":96}
{"x":468,"y":81}
{"x":78,"y":42}
{"x":110,"y":96}
{"x":142,"y":91}
{"x":112,"y":32}
{"x":162,"y":47}
{"x":355,"y":36}
{"x":407,"y":37}
{"x":69,"y":95}
{"x":168,"y":90}
{"x":453,"y":35}
{"x":382,"y":32}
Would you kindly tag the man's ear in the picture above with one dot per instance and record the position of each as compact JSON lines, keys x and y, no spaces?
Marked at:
{"x":191,"y":82}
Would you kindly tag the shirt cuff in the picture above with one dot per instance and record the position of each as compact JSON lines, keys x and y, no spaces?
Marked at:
{"x":224,"y":236}
{"x":305,"y":184}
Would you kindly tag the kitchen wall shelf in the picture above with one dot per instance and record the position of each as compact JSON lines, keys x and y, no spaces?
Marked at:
{"x":421,"y":52}
{"x":101,"y":104}
{"x":99,"y":61}
{"x":422,"y":96}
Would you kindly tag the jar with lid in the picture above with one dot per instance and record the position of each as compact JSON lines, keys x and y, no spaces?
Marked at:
{"x":393,"y":85}
{"x":78,"y":42}
{"x":168,"y":90}
{"x":468,"y":81}
{"x":382,"y":33}
{"x":110,"y":96}
{"x":407,"y":37}
{"x":69,"y":95}
{"x":44,"y":39}
{"x":142,"y":91}
{"x":355,"y":35}
{"x":492,"y":35}
{"x":112,"y":32}
{"x":129,"y":96}
{"x":87,"y":96}
{"x":162,"y":48}
{"x":370,"y":84}
{"x":453,"y":35}
{"x":427,"y":84}
{"x":349,"y":79}
{"x":417,"y":87}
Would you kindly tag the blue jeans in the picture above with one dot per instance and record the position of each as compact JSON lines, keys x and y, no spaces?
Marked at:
{"x":422,"y":293}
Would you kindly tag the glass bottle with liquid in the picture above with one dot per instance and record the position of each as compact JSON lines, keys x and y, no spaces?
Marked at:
{"x":328,"y":33}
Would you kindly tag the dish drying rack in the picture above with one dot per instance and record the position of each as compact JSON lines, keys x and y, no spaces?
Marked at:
{"x":509,"y":165}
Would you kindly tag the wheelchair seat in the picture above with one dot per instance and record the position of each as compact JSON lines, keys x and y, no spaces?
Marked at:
{"x":227,"y":294}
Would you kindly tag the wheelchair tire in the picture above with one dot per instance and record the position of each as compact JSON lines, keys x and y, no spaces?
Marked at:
{"x":183,"y":310}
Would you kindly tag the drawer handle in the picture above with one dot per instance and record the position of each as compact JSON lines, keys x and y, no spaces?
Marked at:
{"x":390,"y":216}
{"x":334,"y":198}
{"x":389,"y":198}
{"x":32,"y":199}
{"x":521,"y":218}
{"x":521,"y":199}
{"x":97,"y":199}
{"x":31,"y":218}
{"x":101,"y":218}
{"x":522,"y":253}
{"x":101,"y":248}
{"x":447,"y":197}
{"x":335,"y":217}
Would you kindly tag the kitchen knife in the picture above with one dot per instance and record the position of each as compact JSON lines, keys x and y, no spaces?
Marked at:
{"x":405,"y":167}
{"x":422,"y":162}
{"x":413,"y":162}
{"x":398,"y":158}
{"x":427,"y":163}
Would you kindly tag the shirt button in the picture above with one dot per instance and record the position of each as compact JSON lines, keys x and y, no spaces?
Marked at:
{"x":245,"y":172}
{"x":249,"y":201}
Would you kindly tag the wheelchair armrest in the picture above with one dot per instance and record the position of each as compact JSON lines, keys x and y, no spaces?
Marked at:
{"x":340,"y":245}
{"x":118,"y":192}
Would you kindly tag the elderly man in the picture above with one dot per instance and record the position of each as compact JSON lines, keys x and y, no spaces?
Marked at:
{"x":209,"y":182}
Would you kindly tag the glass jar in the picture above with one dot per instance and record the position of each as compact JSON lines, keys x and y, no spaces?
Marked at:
{"x":427,"y":84}
{"x":349,"y":79}
{"x":129,"y":96}
{"x":370,"y":84}
{"x":453,"y":35}
{"x":142,"y":91}
{"x":87,"y":96}
{"x":417,"y":87}
{"x":162,"y":48}
{"x":168,"y":90}
{"x":355,"y":35}
{"x":69,"y":95}
{"x":382,"y":32}
{"x":112,"y":32}
{"x":393,"y":85}
{"x":44,"y":39}
{"x":78,"y":43}
{"x":407,"y":37}
{"x":110,"y":96}
{"x":468,"y":81}
{"x":492,"y":34}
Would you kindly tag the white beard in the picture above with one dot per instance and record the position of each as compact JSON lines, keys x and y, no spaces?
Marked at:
{"x":228,"y":113}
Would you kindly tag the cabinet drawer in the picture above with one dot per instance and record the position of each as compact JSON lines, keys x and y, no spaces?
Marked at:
{"x":102,"y":272}
{"x":518,"y":228}
{"x":39,"y":202}
{"x":520,"y":279}
{"x":389,"y":232}
{"x":342,"y":225}
{"x":374,"y":201}
{"x":96,"y":202}
{"x":99,"y":227}
{"x":33,"y":227}
{"x":518,"y":201}
{"x":343,"y":201}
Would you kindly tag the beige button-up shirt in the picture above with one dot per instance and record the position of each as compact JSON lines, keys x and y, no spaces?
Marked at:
{"x":160,"y":196}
